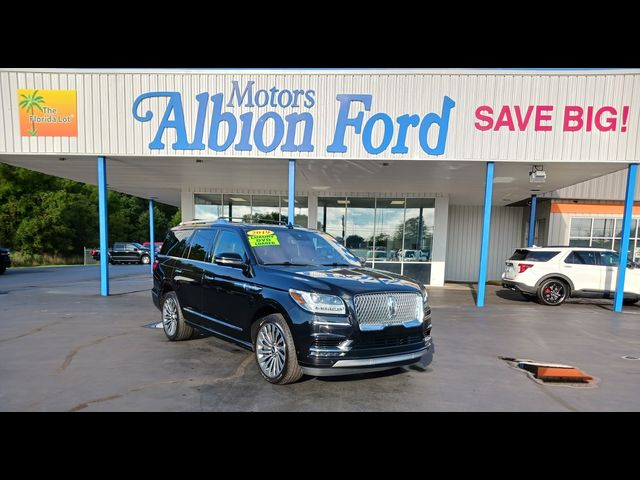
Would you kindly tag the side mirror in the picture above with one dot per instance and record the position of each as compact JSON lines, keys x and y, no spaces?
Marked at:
{"x":230,"y":259}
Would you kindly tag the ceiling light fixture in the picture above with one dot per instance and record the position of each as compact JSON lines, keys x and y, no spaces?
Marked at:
{"x":238,"y":199}
{"x":343,"y":202}
{"x":397,"y":202}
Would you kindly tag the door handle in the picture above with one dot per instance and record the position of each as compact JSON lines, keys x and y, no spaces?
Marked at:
{"x":209,"y":277}
{"x":252,"y":288}
{"x":178,"y":270}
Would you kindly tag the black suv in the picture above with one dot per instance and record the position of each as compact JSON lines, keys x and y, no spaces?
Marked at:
{"x":296,"y":297}
{"x":5,"y":260}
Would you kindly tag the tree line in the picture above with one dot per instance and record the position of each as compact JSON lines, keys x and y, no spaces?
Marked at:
{"x":42,"y":214}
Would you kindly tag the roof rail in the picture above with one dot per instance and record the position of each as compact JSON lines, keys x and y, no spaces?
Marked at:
{"x":194,"y":222}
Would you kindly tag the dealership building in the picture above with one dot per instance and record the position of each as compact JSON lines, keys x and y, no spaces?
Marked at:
{"x":435,"y":174}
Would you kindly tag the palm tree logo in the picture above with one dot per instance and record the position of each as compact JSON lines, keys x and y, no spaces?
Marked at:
{"x":30,"y":101}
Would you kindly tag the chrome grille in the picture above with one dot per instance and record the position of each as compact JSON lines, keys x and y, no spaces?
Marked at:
{"x":376,"y":311}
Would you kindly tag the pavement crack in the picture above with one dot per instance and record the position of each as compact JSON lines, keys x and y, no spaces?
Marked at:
{"x":206,"y":380}
{"x":75,"y":351}
{"x":31,"y":332}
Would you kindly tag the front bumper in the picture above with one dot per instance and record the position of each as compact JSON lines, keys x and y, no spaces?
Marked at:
{"x":374,"y":364}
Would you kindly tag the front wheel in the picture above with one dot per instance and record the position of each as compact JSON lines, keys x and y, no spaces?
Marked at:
{"x":145,"y":260}
{"x":553,"y":292}
{"x":275,"y":351}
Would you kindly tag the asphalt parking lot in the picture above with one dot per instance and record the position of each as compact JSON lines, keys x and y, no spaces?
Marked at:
{"x":65,"y":348}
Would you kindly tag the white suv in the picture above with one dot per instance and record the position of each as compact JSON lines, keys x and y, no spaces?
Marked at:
{"x":553,"y":274}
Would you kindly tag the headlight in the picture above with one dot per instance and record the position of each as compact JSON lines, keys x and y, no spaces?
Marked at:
{"x":318,"y":302}
{"x":425,"y":297}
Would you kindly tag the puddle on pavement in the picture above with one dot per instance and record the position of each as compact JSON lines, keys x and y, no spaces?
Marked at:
{"x":556,"y":374}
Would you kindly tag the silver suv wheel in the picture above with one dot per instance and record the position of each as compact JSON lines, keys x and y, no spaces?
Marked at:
{"x":271,"y":350}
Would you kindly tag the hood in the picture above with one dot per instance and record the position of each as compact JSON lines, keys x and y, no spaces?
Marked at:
{"x":340,"y":280}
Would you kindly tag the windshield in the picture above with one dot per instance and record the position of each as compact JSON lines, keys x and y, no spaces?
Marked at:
{"x":298,"y":247}
{"x":138,"y":246}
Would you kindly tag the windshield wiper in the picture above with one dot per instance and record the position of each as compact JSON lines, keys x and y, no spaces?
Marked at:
{"x":290,"y":264}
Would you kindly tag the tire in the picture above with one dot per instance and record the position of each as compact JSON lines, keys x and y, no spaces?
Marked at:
{"x":145,"y":260}
{"x":2,"y":270}
{"x":173,"y":323}
{"x":553,"y":292}
{"x":626,"y":301}
{"x":279,"y":367}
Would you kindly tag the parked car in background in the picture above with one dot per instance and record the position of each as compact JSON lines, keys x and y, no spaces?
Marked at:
{"x":5,"y":260}
{"x":158,"y":245}
{"x":553,"y":274}
{"x":296,"y":297}
{"x":126,"y":253}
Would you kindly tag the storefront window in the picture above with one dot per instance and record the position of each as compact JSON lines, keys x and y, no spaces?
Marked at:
{"x":265,"y":208}
{"x":392,"y":234}
{"x":603,"y":233}
{"x":207,"y":206}
{"x":332,"y":212}
{"x":249,"y":208}
{"x":237,"y":208}
{"x":359,"y":228}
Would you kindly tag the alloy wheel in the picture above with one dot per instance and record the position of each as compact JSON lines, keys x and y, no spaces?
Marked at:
{"x":554,"y":292}
{"x":170,"y":316}
{"x":271,"y":350}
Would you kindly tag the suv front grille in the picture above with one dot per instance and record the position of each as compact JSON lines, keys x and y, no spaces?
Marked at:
{"x":379,"y":310}
{"x":381,"y":342}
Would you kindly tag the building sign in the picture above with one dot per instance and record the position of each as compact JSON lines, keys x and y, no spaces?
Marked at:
{"x":273,"y":129}
{"x":48,"y":113}
{"x":246,"y":118}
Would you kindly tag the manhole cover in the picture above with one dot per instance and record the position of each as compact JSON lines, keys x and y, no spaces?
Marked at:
{"x":551,"y":373}
{"x":626,"y":357}
{"x":153,"y":325}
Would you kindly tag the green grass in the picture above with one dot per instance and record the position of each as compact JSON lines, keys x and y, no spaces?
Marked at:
{"x":19,"y":259}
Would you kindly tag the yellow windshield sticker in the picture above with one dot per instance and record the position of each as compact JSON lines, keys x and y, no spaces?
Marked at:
{"x":263,"y":240}
{"x":259,"y":232}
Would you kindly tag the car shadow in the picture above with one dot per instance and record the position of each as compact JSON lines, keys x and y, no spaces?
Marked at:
{"x":511,"y":295}
{"x":360,"y":376}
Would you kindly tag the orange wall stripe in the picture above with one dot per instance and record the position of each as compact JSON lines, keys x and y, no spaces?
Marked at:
{"x":591,"y":208}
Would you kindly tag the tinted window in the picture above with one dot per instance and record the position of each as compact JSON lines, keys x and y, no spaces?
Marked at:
{"x":118,"y":246}
{"x":175,"y":243}
{"x":582,"y":257}
{"x":130,"y":247}
{"x":609,"y":259}
{"x":534,"y":256}
{"x":229,"y":242}
{"x":201,"y":243}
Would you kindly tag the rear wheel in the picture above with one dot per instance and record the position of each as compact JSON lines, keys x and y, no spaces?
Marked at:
{"x":175,"y":327}
{"x":553,"y":292}
{"x":275,"y":351}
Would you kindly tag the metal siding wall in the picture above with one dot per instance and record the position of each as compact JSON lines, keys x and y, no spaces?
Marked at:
{"x":463,"y":241}
{"x":607,"y":187}
{"x":558,"y":229}
{"x":106,"y":124}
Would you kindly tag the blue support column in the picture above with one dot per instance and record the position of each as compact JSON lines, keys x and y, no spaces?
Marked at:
{"x":486,"y":225}
{"x":532,"y":221}
{"x":292,"y":192}
{"x":104,"y":226}
{"x":632,"y":173}
{"x":152,"y":237}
